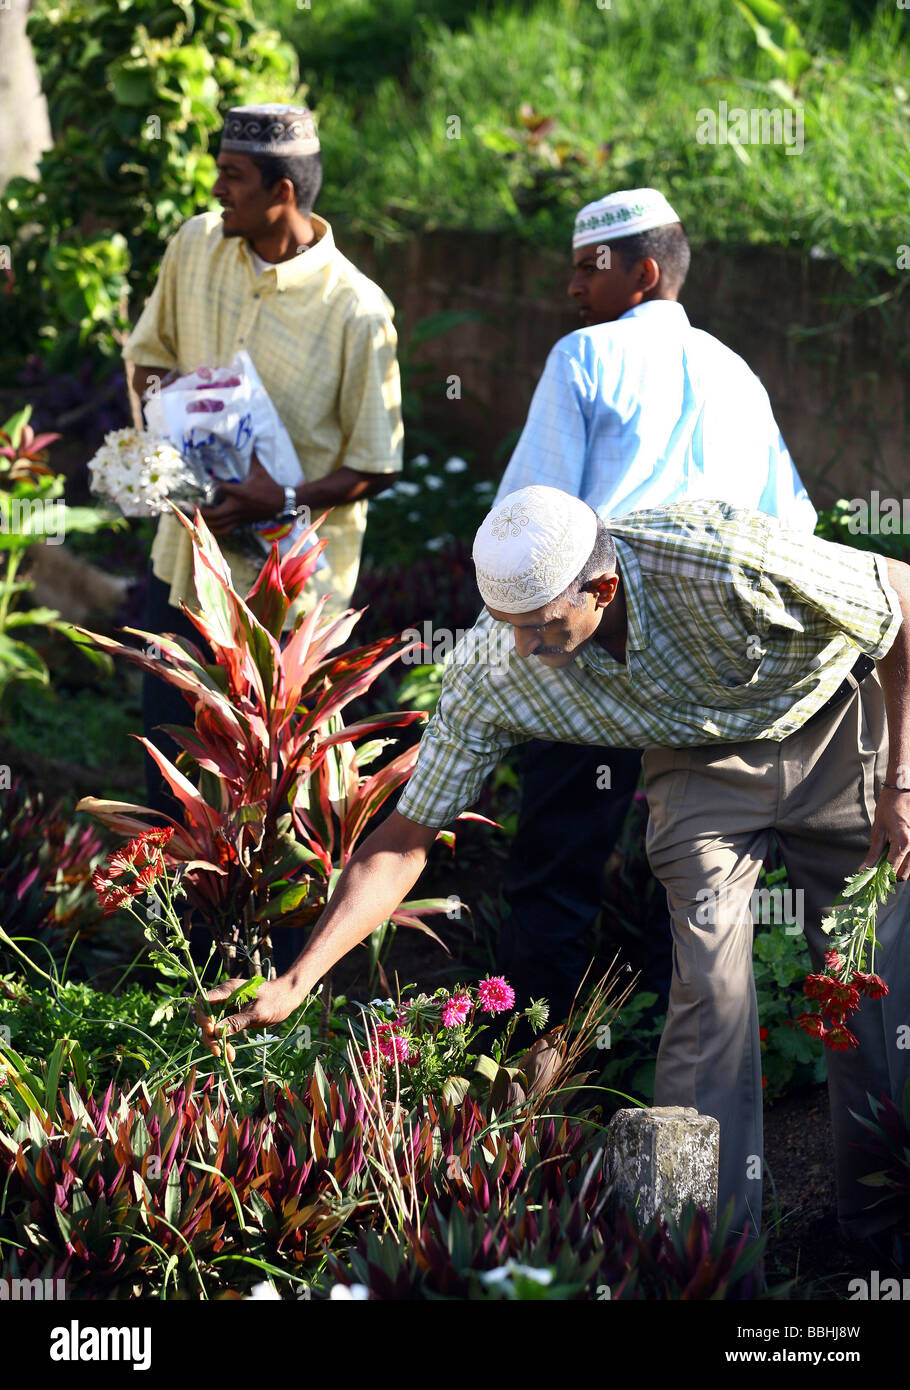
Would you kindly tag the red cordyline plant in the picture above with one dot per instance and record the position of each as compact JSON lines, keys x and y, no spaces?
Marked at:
{"x":23,"y":454}
{"x":125,"y":1195}
{"x":839,"y":989}
{"x":272,"y":797}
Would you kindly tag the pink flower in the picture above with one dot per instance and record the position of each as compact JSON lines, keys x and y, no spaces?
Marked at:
{"x":455,"y":1010}
{"x":390,"y":1045}
{"x":495,"y":996}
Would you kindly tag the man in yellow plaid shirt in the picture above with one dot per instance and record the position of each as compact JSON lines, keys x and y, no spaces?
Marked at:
{"x":265,"y":276}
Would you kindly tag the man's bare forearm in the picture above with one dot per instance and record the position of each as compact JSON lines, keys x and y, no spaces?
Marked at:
{"x":375,"y":882}
{"x":894,"y":672}
{"x":343,"y":486}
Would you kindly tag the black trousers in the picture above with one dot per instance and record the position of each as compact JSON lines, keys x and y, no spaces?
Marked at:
{"x":567,"y":826}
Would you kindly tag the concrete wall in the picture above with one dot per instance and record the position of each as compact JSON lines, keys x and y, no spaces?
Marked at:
{"x":837,"y":376}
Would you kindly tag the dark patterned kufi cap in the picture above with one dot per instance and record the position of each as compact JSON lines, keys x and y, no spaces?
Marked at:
{"x":270,"y":129}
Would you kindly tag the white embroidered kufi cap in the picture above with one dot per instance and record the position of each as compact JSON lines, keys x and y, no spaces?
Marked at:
{"x":530,"y":547}
{"x":626,"y":213}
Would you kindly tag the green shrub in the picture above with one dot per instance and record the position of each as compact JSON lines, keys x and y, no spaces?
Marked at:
{"x":134,"y":92}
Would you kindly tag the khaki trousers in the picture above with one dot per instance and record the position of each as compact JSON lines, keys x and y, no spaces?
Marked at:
{"x":713,"y":809}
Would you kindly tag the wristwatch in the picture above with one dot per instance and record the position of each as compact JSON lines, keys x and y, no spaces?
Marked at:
{"x":291,"y":508}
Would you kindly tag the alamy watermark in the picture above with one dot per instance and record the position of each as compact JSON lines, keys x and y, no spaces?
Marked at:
{"x":493,"y":646}
{"x":879,"y":516}
{"x":755,"y":126}
{"x":778,"y":907}
{"x":34,"y":516}
{"x":31,"y":1290}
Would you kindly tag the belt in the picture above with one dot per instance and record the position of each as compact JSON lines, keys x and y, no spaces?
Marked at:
{"x":862,"y":667}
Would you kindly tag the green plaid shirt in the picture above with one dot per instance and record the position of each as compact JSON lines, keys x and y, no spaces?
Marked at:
{"x":737,"y":630}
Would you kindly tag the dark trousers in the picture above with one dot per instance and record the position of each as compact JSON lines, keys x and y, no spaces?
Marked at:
{"x":567,"y":826}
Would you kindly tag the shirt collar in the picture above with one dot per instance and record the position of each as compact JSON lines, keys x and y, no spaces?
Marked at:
{"x":637,"y":636}
{"x":657,"y":308}
{"x":289,"y":274}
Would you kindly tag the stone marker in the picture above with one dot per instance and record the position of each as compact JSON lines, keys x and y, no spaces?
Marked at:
{"x":660,"y":1158}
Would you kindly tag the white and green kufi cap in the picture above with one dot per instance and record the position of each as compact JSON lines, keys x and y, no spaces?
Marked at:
{"x":626,"y":213}
{"x":270,"y":129}
{"x":531,"y":546}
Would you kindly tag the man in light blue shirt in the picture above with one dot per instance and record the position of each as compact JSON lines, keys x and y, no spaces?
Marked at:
{"x":637,"y":409}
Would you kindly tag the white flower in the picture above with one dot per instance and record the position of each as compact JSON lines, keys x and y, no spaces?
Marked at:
{"x":406,"y":489}
{"x":437,"y":542}
{"x":350,"y":1293}
{"x":137,"y":472}
{"x":483,"y":487}
{"x":510,"y":1269}
{"x":432,"y":482}
{"x":264,"y":1292}
{"x":455,"y":465}
{"x":420,"y":461}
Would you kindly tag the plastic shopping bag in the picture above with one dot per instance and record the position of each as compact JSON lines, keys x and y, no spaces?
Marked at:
{"x":216,"y":417}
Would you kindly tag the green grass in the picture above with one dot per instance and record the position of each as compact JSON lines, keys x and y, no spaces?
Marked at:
{"x":90,"y":727}
{"x":624,"y":85}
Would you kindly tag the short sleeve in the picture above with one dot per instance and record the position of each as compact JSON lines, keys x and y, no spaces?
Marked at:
{"x":369,"y":397}
{"x":457,"y":752}
{"x":154,"y":340}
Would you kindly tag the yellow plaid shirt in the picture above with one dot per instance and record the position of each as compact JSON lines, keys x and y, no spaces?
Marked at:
{"x":321,"y":337}
{"x":737,"y":630}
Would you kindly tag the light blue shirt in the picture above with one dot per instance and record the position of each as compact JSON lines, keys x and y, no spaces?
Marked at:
{"x":647,"y":411}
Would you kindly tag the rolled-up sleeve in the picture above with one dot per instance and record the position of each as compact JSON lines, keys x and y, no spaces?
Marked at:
{"x":457,"y":752}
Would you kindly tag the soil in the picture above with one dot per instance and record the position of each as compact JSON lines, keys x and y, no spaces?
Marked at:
{"x":800,"y":1213}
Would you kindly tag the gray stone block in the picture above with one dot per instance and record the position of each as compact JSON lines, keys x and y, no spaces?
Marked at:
{"x":660,"y":1158}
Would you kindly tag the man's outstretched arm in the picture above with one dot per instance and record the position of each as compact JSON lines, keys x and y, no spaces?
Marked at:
{"x":892,"y":810}
{"x":378,"y":878}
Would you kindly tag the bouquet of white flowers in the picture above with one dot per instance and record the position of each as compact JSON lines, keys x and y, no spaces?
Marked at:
{"x":140,"y":473}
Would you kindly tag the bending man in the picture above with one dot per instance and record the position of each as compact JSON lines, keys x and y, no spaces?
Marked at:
{"x":764,"y":672}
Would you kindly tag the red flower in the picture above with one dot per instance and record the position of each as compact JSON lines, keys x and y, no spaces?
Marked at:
{"x":158,"y":836}
{"x":813,"y":1024}
{"x":816,"y":986}
{"x":764,"y":1082}
{"x":122,"y":860}
{"x":139,"y":863}
{"x":146,"y":877}
{"x":110,"y":896}
{"x":873,"y":985}
{"x":840,"y":1038}
{"x":763,"y":1035}
{"x":841,"y":998}
{"x":833,"y":961}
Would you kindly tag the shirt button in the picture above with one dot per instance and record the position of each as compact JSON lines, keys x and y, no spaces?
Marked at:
{"x":256,"y":295}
